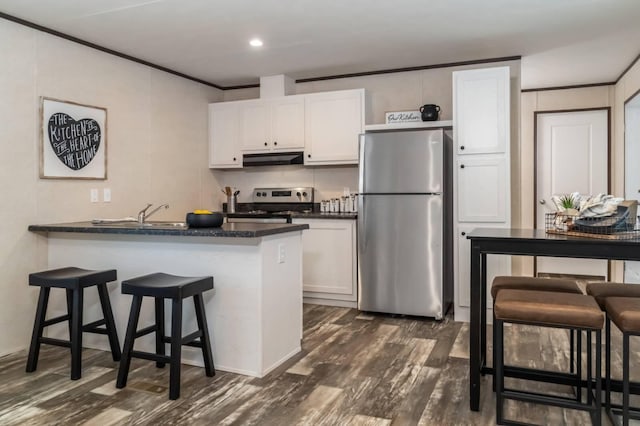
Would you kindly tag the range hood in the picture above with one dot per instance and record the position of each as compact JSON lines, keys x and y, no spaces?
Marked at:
{"x":272,"y":159}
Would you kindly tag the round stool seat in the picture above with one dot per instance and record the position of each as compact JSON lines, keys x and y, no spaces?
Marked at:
{"x":602,"y":291}
{"x":548,"y":308}
{"x":562,"y":285}
{"x":71,"y":278}
{"x":167,"y":286}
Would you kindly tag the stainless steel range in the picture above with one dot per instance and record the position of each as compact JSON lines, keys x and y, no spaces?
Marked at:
{"x":274,"y":205}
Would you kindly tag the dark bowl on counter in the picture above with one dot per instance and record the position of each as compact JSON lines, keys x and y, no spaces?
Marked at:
{"x":206,"y":220}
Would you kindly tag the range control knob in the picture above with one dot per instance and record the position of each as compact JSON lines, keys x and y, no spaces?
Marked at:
{"x":258,"y":194}
{"x":304,"y":194}
{"x":298,"y":194}
{"x":264,"y":194}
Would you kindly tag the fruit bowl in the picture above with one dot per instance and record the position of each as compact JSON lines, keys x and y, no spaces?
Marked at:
{"x":204,"y":220}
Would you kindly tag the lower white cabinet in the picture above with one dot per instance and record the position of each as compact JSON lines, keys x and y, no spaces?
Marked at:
{"x":329,"y":261}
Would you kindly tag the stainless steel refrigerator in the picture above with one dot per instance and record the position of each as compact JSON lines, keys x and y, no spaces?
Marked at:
{"x":405,"y":223}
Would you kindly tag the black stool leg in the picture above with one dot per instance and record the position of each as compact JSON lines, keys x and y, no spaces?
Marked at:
{"x":589,"y":368}
{"x":129,"y":339}
{"x":571,"y":345}
{"x":598,"y":408}
{"x":607,"y":367}
{"x":69,"y":309}
{"x":160,"y":329}
{"x":110,"y":325}
{"x":205,"y":341}
{"x":499,"y":369}
{"x":76,"y":334}
{"x":579,"y":364}
{"x":38,"y":327}
{"x":176,"y":348}
{"x":625,"y":379}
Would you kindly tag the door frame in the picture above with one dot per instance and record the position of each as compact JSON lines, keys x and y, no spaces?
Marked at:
{"x":535,"y":164}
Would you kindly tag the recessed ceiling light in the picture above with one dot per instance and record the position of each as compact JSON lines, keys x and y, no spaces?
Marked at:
{"x":255,"y":42}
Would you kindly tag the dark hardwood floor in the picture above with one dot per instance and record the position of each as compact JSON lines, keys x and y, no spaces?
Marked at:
{"x":355,"y":369}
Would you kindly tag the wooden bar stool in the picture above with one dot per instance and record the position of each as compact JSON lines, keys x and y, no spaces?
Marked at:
{"x":162,"y":286}
{"x":560,"y":285}
{"x":555,"y":310}
{"x":625,"y":314}
{"x":74,"y":281}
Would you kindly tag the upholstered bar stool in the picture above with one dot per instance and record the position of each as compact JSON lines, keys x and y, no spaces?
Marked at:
{"x":162,"y":286}
{"x":74,"y":281}
{"x":625,"y":314}
{"x":576,"y":312}
{"x":601,"y":291}
{"x":560,"y":285}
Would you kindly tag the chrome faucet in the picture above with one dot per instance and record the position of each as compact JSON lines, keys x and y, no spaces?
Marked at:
{"x":143,"y":215}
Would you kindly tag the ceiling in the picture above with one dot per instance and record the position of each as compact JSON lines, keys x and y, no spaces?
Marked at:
{"x":562,"y":42}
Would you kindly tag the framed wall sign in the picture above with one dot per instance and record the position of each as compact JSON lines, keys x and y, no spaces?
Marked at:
{"x":74,"y":141}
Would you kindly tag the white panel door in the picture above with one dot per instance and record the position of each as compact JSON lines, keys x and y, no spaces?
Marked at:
{"x":572,"y":155}
{"x":255,"y":124}
{"x":287,"y":123}
{"x":631,"y":170}
{"x":224,"y":136}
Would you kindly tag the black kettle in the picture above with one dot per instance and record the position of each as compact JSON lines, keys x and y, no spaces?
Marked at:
{"x":430,"y":112}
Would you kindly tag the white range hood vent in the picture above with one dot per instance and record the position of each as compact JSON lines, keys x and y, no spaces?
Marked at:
{"x":277,"y":85}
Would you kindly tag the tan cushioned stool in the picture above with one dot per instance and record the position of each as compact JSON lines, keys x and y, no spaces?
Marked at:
{"x":549,"y":308}
{"x":576,"y":312}
{"x":625,"y":313}
{"x":601,"y":291}
{"x":563,"y":285}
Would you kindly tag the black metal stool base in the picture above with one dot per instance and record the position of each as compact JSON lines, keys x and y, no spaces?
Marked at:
{"x":74,"y":281}
{"x":161,"y":286}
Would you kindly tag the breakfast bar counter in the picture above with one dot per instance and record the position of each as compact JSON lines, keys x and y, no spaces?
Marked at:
{"x":254,"y":311}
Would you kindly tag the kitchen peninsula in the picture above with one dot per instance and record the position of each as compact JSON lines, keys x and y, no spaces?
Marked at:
{"x":254,"y":311}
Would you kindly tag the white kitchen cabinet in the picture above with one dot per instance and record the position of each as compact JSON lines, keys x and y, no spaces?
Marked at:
{"x":329,"y":261}
{"x":333,"y":122}
{"x":224,"y":136}
{"x":275,"y":124}
{"x":481,"y":175}
{"x":496,"y":265}
{"x":481,"y":110}
{"x":482,"y":189}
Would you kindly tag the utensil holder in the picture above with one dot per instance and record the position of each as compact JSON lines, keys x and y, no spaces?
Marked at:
{"x":232,"y":202}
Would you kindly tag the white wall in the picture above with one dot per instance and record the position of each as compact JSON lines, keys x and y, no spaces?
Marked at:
{"x":156,"y":149}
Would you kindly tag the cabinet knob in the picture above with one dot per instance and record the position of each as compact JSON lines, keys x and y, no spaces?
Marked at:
{"x":234,"y":158}
{"x":543,"y":202}
{"x":265,"y":144}
{"x":462,"y":166}
{"x":275,"y":142}
{"x":463,"y":233}
{"x":308,"y":155}
{"x":461,"y":147}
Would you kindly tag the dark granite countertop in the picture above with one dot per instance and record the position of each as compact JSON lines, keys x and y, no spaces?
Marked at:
{"x":318,"y":215}
{"x":227,"y":230}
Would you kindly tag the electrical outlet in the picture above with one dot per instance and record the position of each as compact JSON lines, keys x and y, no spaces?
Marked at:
{"x":106,"y":195}
{"x":94,"y":195}
{"x":281,"y":253}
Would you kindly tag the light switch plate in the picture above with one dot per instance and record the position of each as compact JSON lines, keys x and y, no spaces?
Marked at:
{"x":94,"y":195}
{"x":106,"y":195}
{"x":281,"y":253}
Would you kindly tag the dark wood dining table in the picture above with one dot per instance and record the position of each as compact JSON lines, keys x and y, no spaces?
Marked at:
{"x":522,"y":242}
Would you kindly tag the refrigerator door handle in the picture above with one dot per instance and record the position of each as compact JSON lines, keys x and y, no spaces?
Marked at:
{"x":361,"y":163}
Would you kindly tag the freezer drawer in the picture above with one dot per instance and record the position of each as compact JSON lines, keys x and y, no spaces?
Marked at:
{"x":401,"y":162}
{"x":400,"y":246}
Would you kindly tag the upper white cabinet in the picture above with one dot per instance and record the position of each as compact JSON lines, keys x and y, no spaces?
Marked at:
{"x":333,"y":121}
{"x":481,"y":110}
{"x":272,"y":124}
{"x":481,"y":129}
{"x":224,"y":136}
